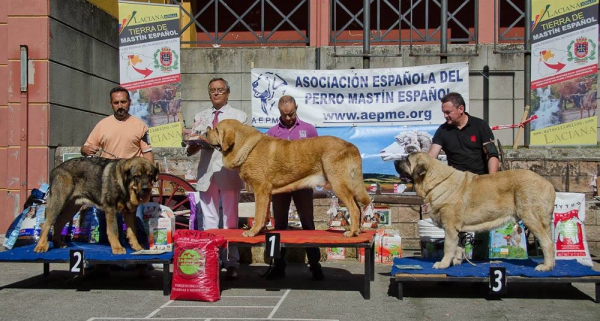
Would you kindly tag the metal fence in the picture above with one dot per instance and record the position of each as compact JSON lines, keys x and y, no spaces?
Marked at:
{"x":283,"y":22}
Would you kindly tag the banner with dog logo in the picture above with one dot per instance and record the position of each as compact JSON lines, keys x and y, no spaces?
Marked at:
{"x":359,"y":97}
{"x":387,"y":113}
{"x":149,"y":56}
{"x":564,"y":69}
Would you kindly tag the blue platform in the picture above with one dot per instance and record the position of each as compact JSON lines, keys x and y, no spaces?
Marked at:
{"x":517,"y":271}
{"x":92,"y":253}
{"x":524,"y":268}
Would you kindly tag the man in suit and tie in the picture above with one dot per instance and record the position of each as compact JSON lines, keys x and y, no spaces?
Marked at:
{"x":218,"y":186}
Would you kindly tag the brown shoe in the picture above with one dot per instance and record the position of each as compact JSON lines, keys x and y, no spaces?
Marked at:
{"x":232,"y":273}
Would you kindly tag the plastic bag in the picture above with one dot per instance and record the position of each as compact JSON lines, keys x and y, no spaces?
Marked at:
{"x":196,"y":266}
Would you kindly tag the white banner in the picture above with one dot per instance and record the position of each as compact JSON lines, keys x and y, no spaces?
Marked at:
{"x":363,"y":97}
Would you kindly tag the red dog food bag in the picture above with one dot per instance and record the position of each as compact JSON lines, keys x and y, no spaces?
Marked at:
{"x":196,"y":268}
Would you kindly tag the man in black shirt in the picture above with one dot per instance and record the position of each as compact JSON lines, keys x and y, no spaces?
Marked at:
{"x":467,"y":140}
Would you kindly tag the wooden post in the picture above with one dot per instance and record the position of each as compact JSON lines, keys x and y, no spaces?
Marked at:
{"x":520,"y":132}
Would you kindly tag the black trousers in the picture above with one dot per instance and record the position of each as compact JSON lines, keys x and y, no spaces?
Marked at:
{"x":303,"y":199}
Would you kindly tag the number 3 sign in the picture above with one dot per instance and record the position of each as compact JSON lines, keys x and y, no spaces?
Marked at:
{"x":497,"y":280}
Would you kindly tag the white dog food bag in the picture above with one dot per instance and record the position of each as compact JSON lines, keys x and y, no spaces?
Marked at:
{"x":568,"y":229}
{"x":159,"y":222}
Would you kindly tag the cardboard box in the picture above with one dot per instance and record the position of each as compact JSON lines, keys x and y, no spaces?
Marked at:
{"x":377,"y":244}
{"x":390,"y":246}
{"x":336,"y":253}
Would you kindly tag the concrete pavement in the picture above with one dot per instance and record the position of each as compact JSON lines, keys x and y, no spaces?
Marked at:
{"x":27,"y":295}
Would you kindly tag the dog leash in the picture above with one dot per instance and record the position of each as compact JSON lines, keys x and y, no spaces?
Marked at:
{"x":102,"y":150}
{"x":268,"y":269}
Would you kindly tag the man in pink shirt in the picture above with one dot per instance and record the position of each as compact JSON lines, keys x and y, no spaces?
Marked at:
{"x":292,"y":128}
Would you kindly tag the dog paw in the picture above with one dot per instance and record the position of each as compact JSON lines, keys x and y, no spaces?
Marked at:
{"x":248,"y":233}
{"x":440,"y":265}
{"x":457,"y":261}
{"x":544,"y":267}
{"x":41,"y":248}
{"x":118,"y":250}
{"x":350,"y":234}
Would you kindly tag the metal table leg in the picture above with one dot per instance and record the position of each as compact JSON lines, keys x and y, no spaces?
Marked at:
{"x":372,"y":250}
{"x":400,"y":290}
{"x":166,"y":279}
{"x":369,"y":263}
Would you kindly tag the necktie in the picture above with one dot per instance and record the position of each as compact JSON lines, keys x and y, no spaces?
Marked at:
{"x":215,"y":119}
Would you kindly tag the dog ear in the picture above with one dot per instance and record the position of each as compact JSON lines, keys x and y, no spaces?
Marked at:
{"x":155,"y":173}
{"x":227,"y":137}
{"x":421,"y":164}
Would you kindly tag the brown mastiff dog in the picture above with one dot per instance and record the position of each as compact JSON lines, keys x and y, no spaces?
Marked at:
{"x":271,"y":165}
{"x":112,"y":185}
{"x":465,"y":202}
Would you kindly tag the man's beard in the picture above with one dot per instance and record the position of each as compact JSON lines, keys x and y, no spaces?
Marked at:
{"x":121,"y":113}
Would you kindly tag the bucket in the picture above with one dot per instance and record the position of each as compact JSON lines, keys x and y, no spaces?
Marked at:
{"x":431,"y":239}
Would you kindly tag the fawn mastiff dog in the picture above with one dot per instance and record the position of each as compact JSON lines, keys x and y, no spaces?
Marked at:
{"x":271,"y":165}
{"x":112,"y":185}
{"x":465,"y":202}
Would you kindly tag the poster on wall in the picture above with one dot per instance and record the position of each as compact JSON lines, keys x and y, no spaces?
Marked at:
{"x":358,"y":97}
{"x":149,"y":61}
{"x":564,"y":63}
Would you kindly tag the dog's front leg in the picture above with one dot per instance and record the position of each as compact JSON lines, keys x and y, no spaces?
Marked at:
{"x":62,"y":220}
{"x":131,"y":232}
{"x":261,"y":209}
{"x":112,"y":230}
{"x":450,"y":248}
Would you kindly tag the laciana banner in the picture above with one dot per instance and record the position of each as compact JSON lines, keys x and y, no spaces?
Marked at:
{"x":564,"y":62}
{"x":149,"y":52}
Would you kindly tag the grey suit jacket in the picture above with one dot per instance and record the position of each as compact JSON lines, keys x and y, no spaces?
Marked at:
{"x":211,"y":161}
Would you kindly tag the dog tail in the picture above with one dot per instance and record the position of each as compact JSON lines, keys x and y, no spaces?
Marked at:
{"x":360,"y":192}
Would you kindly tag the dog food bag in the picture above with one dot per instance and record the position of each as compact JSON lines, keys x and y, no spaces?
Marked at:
{"x":568,"y":230}
{"x":29,"y":232}
{"x":159,"y":224}
{"x":13,"y":230}
{"x":81,"y":225}
{"x":94,"y":226}
{"x":508,"y":242}
{"x":196,"y":266}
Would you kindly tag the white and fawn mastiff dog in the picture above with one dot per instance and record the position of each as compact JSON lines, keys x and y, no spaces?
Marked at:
{"x":272,"y":165}
{"x":465,"y":202}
